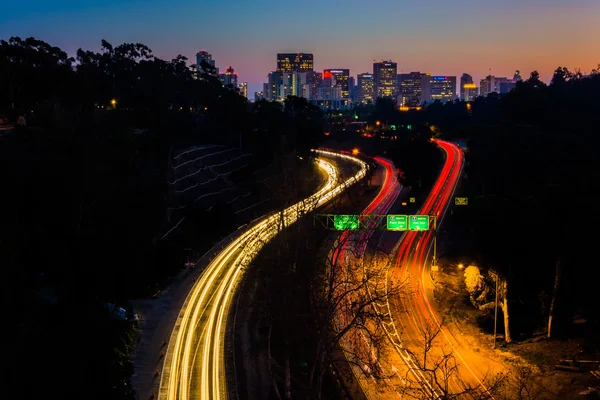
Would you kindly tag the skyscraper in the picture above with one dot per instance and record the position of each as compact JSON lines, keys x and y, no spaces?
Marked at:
{"x":243,"y":88}
{"x":295,"y":62}
{"x":294,"y":84}
{"x":229,"y":78}
{"x":465,"y":79}
{"x":275,"y":81}
{"x":410,"y":89}
{"x":203,"y":56}
{"x":364,"y":88}
{"x":441,"y":88}
{"x":384,"y":77}
{"x":313,"y":81}
{"x":488,"y":85}
{"x":341,"y":78}
{"x":498,"y":82}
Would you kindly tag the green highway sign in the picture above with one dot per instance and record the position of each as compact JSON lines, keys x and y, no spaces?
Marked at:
{"x":461,"y":201}
{"x":418,"y":222}
{"x":397,"y":222}
{"x":345,"y":222}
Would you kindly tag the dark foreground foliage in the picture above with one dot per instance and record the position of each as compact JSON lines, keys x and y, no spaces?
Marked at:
{"x":531,"y":177}
{"x":83,"y":202}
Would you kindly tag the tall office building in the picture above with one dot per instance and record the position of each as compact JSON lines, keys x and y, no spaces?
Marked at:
{"x":484,"y":86}
{"x":487,"y":85}
{"x":243,"y":88}
{"x":410,"y":89}
{"x":469,"y":92}
{"x":496,"y":84}
{"x":384,"y":77}
{"x":229,"y":78}
{"x":274,"y":82}
{"x":293,"y":84}
{"x":465,"y":79}
{"x":399,"y":83}
{"x":498,"y":81}
{"x":342,"y":77}
{"x":313,"y":81}
{"x":506,"y":86}
{"x":364,"y":88}
{"x":441,"y":88}
{"x":295,"y":62}
{"x":206,"y":57}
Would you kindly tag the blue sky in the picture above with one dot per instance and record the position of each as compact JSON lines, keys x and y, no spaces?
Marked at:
{"x":441,"y":37}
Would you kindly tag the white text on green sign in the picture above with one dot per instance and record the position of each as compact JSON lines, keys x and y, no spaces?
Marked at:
{"x":418,"y":222}
{"x":397,"y":222}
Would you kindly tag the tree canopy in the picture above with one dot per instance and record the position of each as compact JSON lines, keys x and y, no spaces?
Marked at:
{"x":531,"y":168}
{"x":84,"y":188}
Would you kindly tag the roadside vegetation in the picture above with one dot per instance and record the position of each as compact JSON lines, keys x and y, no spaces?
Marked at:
{"x":83,"y":206}
{"x":530,"y":167}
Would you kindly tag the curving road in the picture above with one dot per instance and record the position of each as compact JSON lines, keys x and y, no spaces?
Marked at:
{"x":194,"y":364}
{"x":416,"y":316}
{"x":355,"y":243}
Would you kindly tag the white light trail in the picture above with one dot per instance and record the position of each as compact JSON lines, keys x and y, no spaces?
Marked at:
{"x":201,"y":325}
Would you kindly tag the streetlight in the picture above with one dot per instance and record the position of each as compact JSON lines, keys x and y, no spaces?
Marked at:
{"x":113,"y":102}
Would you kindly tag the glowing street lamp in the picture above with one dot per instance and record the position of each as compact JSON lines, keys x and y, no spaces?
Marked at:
{"x":378,"y":123}
{"x":113,"y":102}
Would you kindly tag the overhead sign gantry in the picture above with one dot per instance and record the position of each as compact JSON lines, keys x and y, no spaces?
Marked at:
{"x":379,"y":222}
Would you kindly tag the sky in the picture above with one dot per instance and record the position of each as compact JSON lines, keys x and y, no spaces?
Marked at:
{"x":438,"y":36}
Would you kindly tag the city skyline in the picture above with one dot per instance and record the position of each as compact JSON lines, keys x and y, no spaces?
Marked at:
{"x":435,"y":37}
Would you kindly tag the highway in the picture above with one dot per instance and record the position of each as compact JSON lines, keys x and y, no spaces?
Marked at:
{"x":349,"y":245}
{"x":194,"y":366}
{"x":415,"y":319}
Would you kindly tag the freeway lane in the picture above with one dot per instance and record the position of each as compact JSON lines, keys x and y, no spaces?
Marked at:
{"x":354,"y":244}
{"x":415,"y":316}
{"x":195,"y":360}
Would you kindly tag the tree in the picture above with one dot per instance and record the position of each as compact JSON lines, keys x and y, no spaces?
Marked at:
{"x":534,"y":80}
{"x":343,"y":297}
{"x":437,"y":371}
{"x":486,"y":292}
{"x":523,"y":383}
{"x":112,"y":202}
{"x":561,"y":76}
{"x":280,"y":277}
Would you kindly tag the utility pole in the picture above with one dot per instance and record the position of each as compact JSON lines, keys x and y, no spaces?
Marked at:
{"x":434,"y":238}
{"x":434,"y":247}
{"x":496,"y":310}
